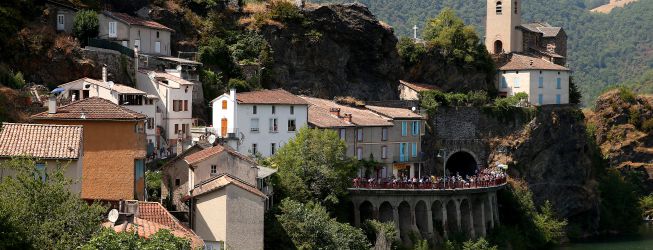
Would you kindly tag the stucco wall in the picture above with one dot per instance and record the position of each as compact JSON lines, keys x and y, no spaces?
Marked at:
{"x":210,"y":216}
{"x":226,"y":163}
{"x":244,"y":219}
{"x":406,"y":93}
{"x":529,"y":84}
{"x":110,"y":149}
{"x":73,"y":171}
{"x":502,"y":27}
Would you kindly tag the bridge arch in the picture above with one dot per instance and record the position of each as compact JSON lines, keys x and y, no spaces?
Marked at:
{"x":452,"y":222}
{"x":422,"y":218}
{"x":366,"y":211}
{"x":437,"y":215}
{"x":405,"y":221}
{"x":462,"y":162}
{"x":385,"y":212}
{"x":466,"y":218}
{"x":478,"y":218}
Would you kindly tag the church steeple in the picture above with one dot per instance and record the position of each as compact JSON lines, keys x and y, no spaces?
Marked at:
{"x":501,"y":34}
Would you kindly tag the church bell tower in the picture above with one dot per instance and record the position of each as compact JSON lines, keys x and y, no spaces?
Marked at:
{"x":501,"y":33}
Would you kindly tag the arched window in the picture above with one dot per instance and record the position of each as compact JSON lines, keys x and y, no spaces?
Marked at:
{"x":498,"y":47}
{"x":224,"y":104}
{"x":499,"y":8}
{"x":516,"y":6}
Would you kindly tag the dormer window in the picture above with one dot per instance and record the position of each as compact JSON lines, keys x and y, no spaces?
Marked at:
{"x":499,"y":8}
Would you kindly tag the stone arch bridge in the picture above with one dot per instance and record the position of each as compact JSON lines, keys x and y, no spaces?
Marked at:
{"x":435,"y":214}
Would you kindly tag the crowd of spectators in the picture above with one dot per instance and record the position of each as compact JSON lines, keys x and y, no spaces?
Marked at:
{"x":487,"y":177}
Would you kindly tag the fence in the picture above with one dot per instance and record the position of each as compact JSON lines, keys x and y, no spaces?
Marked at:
{"x":106,"y":44}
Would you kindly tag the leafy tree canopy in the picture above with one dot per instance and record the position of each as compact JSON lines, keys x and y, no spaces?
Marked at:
{"x":86,"y":25}
{"x":108,"y":239}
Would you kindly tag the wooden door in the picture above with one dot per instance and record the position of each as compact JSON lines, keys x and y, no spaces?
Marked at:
{"x":223,"y":127}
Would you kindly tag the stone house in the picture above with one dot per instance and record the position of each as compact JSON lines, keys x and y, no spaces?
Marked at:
{"x":410,"y":91}
{"x":147,"y":36}
{"x":60,"y":15}
{"x":389,"y":136}
{"x":114,"y":143}
{"x":51,"y":146}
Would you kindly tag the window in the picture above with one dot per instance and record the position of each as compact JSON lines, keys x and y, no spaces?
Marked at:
{"x":254,"y":148}
{"x":150,"y":123}
{"x":384,"y":134}
{"x":184,"y":129}
{"x":273,"y":125}
{"x":540,"y":99}
{"x":402,"y":152}
{"x":343,"y":134}
{"x":224,"y":104}
{"x":157,"y":47}
{"x":359,"y":153}
{"x":254,"y":125}
{"x":157,"y":34}
{"x":139,"y":33}
{"x":414,"y":149}
{"x":291,"y":126}
{"x":177,"y":182}
{"x":384,"y":152}
{"x":404,"y":128}
{"x":292,"y":110}
{"x":274,"y":109}
{"x":516,"y":85}
{"x":176,"y":128}
{"x":558,"y":83}
{"x":137,"y":44}
{"x":41,"y":171}
{"x":516,"y":7}
{"x":415,"y":128}
{"x":254,"y":109}
{"x":504,"y":83}
{"x":273,"y":148}
{"x":213,"y":245}
{"x":139,"y":178}
{"x":60,"y":22}
{"x":185,"y":105}
{"x":359,"y":134}
{"x":558,"y":99}
{"x":499,"y":8}
{"x":540,"y":82}
{"x":175,"y":105}
{"x":113,"y":30}
{"x":130,"y":100}
{"x":214,"y":170}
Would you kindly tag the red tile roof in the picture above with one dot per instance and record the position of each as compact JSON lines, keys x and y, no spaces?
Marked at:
{"x":202,"y":155}
{"x":417,"y":86}
{"x":269,"y":96}
{"x":359,"y":116}
{"x":220,"y":181}
{"x":93,"y":108}
{"x":131,"y":20}
{"x":395,"y":113}
{"x":44,"y":141}
{"x":527,"y":62}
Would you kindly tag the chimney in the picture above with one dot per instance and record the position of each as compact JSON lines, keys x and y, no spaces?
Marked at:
{"x":347,"y":118}
{"x":335,"y":111}
{"x":232,"y":93}
{"x":131,"y":207}
{"x":104,"y":73}
{"x":52,"y":104}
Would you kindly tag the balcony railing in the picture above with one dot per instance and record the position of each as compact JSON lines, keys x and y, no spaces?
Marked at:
{"x":360,"y":183}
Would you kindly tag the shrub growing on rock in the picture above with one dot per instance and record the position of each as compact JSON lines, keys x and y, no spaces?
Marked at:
{"x":86,"y":25}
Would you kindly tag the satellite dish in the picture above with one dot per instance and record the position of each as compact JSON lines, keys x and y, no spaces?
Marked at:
{"x":58,"y":91}
{"x":113,"y":215}
{"x":110,"y":85}
{"x":211,"y":139}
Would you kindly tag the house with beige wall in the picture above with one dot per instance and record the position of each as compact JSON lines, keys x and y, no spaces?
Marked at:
{"x":50,"y":146}
{"x":61,"y":15}
{"x":114,"y":143}
{"x":149,"y":37}
{"x":545,"y":83}
{"x":389,"y":136}
{"x":228,"y":213}
{"x":410,"y":91}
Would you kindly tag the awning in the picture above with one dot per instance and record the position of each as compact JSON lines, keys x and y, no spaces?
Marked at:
{"x":264,"y":172}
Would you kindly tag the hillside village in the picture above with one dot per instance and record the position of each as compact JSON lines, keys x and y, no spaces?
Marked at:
{"x":164,"y":155}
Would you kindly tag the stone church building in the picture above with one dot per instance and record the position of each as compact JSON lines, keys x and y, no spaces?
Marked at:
{"x":531,"y":57}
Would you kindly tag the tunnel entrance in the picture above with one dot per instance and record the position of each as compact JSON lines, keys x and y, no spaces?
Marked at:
{"x":461,"y":163}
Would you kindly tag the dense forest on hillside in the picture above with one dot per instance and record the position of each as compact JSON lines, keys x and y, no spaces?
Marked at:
{"x":604,"y":49}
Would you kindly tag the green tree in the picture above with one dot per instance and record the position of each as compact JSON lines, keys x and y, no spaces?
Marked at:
{"x":619,"y":197}
{"x":448,"y":33}
{"x":86,"y":25}
{"x":40,"y":206}
{"x":239,"y":85}
{"x":575,"y":97}
{"x":310,"y":227}
{"x":108,"y":239}
{"x":153,"y":184}
{"x":410,"y":52}
{"x":214,"y":54}
{"x":313,"y":166}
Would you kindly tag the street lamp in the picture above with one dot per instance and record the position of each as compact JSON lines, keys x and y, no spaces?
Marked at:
{"x":442,"y":153}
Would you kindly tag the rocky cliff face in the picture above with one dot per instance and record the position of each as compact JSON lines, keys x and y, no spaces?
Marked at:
{"x":622,"y":123}
{"x":547,"y":147}
{"x":344,"y":50}
{"x":432,"y":68}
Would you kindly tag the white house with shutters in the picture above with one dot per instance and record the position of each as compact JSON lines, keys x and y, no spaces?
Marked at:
{"x":149,"y":37}
{"x":545,"y":83}
{"x":258,"y":122}
{"x":174,"y":108}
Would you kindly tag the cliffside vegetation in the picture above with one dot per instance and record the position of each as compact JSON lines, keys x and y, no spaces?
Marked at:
{"x":597,"y":58}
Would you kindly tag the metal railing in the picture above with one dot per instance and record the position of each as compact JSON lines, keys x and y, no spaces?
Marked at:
{"x":106,"y":44}
{"x":441,"y":185}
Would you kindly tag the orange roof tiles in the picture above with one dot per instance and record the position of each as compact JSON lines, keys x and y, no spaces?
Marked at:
{"x":221,"y":181}
{"x":42,"y":141}
{"x":131,"y":20}
{"x":269,"y":96}
{"x":395,"y":113}
{"x":526,"y":62}
{"x":417,"y":86}
{"x":93,"y":108}
{"x":359,"y":116}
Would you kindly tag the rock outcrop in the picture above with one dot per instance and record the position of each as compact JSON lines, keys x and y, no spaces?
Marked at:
{"x":343,"y":50}
{"x":434,"y":69}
